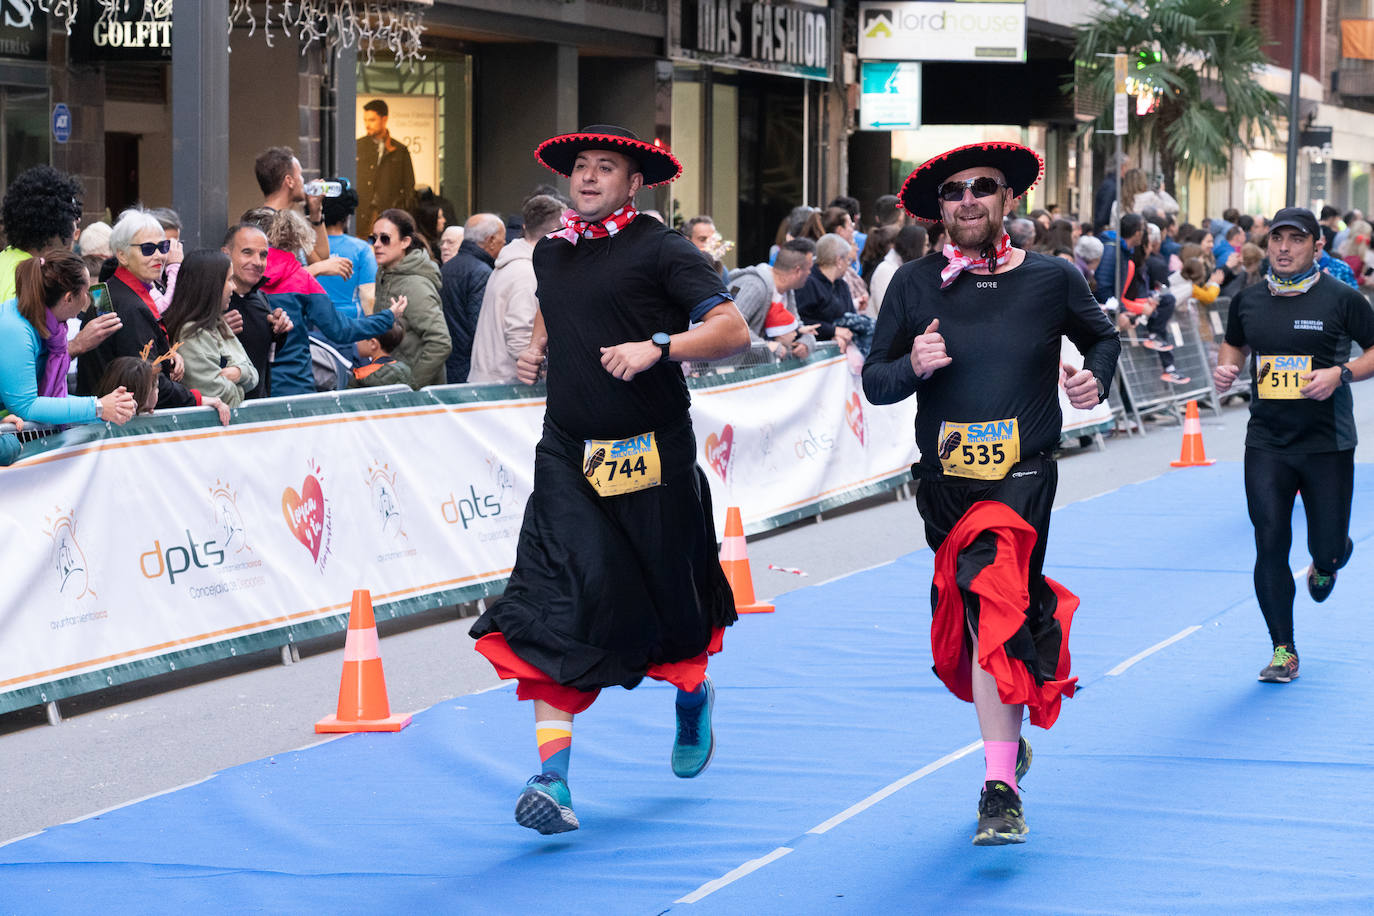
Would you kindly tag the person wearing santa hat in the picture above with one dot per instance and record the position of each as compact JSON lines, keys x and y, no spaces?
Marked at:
{"x":974,"y":333}
{"x":616,"y":575}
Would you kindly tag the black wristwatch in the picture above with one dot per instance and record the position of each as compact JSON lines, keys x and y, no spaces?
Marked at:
{"x":1346,"y":375}
{"x":664,"y":343}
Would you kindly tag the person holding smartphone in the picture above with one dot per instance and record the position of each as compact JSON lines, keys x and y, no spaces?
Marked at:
{"x":141,"y":248}
{"x":51,"y":289}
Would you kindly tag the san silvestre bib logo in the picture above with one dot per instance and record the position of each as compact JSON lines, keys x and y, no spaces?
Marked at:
{"x":308,"y":515}
{"x":66,"y":559}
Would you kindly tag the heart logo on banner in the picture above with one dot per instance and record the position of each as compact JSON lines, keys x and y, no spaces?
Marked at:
{"x":304,"y":513}
{"x":718,"y":449}
{"x":854,"y":416}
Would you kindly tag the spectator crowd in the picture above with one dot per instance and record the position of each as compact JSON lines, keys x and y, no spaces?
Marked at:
{"x":103,"y":322}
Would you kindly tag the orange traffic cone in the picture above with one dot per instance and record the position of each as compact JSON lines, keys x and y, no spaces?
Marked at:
{"x":734,"y":559}
{"x":1193,"y":454}
{"x":363,"y":706}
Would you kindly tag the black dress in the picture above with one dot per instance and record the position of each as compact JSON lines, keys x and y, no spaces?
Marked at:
{"x":605,"y":588}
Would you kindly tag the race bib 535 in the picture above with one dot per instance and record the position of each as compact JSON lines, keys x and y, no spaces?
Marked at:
{"x":983,"y":451}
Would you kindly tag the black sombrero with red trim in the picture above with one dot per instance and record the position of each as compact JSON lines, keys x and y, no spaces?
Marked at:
{"x":1021,"y":165}
{"x":656,"y":164}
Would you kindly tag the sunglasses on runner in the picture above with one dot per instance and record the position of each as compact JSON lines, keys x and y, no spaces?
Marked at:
{"x":147,"y":248}
{"x":953,"y":191}
{"x":382,"y":237}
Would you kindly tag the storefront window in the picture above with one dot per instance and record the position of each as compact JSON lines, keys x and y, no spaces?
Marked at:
{"x":430,"y":111}
{"x":24,"y":141}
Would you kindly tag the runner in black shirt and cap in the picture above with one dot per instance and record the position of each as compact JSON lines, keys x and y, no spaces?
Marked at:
{"x":1301,"y":439}
{"x":981,"y":354}
{"x":616,"y":574}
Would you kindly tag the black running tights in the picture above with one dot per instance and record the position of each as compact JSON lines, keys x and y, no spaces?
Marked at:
{"x":1326,"y":481}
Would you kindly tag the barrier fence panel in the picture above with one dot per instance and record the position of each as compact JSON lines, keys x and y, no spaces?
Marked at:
{"x":1143,"y":391}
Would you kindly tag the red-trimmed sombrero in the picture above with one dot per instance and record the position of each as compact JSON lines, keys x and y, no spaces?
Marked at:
{"x":656,"y":164}
{"x":1020,"y":164}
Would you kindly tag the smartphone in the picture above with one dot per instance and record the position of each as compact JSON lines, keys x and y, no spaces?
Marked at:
{"x":100,"y":298}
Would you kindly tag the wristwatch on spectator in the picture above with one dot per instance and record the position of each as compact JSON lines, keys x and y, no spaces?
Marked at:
{"x":1346,"y":375}
{"x":1101,"y":390}
{"x":664,"y":343}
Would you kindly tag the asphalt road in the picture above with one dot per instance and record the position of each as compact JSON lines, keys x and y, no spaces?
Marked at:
{"x":144,"y":739}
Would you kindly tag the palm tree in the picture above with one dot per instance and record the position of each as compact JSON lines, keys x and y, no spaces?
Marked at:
{"x":1200,"y":58}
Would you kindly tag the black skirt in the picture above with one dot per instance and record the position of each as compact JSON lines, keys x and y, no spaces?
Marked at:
{"x":605,"y":587}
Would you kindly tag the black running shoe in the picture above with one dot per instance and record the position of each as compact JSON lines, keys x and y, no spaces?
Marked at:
{"x":1282,"y":668}
{"x":1023,"y":759}
{"x":999,"y":816}
{"x":1319,"y":585}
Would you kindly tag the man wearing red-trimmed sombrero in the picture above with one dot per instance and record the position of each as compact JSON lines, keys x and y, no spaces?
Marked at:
{"x":616,"y":575}
{"x":974,"y":332}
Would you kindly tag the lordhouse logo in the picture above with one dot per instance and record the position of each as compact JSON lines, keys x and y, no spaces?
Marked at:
{"x":878,"y":22}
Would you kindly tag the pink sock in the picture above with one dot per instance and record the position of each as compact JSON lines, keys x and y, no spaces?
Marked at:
{"x":1000,"y":757}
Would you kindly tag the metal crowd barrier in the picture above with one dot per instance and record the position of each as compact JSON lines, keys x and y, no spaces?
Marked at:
{"x":1141,"y":392}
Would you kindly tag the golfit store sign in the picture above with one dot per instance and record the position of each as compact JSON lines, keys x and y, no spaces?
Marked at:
{"x":970,"y":30}
{"x":791,"y":39}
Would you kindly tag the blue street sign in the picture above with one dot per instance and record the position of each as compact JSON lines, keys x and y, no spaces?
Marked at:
{"x":61,"y":123}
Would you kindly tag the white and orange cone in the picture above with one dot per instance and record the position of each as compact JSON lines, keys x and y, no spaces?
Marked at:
{"x":1193,"y":455}
{"x":363,"y":706}
{"x":734,"y":560}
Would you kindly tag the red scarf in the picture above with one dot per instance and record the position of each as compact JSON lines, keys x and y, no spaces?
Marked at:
{"x":960,"y":262}
{"x":575,"y":227}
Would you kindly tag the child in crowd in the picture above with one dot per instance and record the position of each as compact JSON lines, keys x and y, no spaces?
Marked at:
{"x":135,"y":375}
{"x":381,"y":368}
{"x":782,"y":329}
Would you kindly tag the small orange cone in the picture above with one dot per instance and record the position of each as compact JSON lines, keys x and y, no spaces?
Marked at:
{"x":363,"y":706}
{"x":734,"y":559}
{"x":1193,"y":454}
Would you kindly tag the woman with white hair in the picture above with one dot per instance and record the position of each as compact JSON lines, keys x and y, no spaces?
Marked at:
{"x":1087,"y":254}
{"x":140,"y":247}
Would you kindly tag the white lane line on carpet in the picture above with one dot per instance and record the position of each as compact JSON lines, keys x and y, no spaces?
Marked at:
{"x":890,"y":788}
{"x":753,"y":865}
{"x":134,"y":801}
{"x":1181,"y":634}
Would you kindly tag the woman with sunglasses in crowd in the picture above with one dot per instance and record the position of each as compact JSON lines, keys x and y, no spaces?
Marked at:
{"x":407,"y":273}
{"x":140,"y":248}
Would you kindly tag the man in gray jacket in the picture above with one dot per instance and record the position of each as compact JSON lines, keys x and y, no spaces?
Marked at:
{"x":509,"y":303}
{"x":755,"y":289}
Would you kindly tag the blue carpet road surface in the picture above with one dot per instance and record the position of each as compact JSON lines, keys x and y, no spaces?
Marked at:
{"x":846,"y":778}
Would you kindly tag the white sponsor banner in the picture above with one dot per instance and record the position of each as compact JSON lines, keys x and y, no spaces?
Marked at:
{"x":927,"y":31}
{"x":132,"y":548}
{"x":128,"y":549}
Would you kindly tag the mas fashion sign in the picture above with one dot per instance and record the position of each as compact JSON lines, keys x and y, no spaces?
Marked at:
{"x":925,"y":30}
{"x":792,"y":39}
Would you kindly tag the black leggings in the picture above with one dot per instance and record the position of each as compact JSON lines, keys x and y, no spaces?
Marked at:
{"x":1326,"y":481}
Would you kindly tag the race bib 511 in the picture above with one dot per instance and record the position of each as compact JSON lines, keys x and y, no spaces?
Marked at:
{"x":983,"y":451}
{"x":1280,"y":377}
{"x":616,"y":466}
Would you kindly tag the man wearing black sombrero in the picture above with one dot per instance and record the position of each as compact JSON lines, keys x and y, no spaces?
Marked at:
{"x":974,"y":332}
{"x":616,"y":574}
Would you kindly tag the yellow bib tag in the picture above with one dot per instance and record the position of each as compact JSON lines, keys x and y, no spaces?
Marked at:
{"x":1279,"y":376}
{"x":983,"y":451}
{"x":616,"y":466}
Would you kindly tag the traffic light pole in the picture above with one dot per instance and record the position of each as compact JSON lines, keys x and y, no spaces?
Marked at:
{"x":1291,"y":190}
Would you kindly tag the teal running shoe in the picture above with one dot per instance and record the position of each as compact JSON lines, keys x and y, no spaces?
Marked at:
{"x":696,"y":741}
{"x":546,"y":805}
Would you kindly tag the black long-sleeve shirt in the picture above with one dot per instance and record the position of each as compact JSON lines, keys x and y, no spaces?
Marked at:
{"x":1002,"y":333}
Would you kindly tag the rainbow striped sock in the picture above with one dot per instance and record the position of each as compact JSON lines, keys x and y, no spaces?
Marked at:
{"x":555,"y":745}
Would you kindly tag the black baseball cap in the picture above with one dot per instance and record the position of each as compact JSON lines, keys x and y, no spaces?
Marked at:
{"x":1297,"y":218}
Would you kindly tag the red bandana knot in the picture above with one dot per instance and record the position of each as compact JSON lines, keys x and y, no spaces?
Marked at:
{"x":575,"y":227}
{"x":960,"y":262}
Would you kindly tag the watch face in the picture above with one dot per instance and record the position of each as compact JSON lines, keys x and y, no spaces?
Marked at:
{"x":661,"y":338}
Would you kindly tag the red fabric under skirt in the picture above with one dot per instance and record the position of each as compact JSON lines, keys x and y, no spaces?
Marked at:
{"x":1000,"y":586}
{"x":533,"y":684}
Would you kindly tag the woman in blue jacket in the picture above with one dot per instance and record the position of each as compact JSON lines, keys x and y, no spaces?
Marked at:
{"x":51,"y":289}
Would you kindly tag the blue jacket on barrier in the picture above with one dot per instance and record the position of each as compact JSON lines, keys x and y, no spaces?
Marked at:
{"x":21,"y":353}
{"x":290,"y":288}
